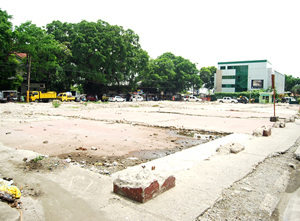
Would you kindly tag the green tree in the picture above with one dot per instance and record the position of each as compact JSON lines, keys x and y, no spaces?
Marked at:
{"x":160,"y":75}
{"x":290,"y":82}
{"x":207,"y":76}
{"x":295,"y":90}
{"x":270,"y":89}
{"x":10,"y":78}
{"x":101,"y":54}
{"x":186,"y":73}
{"x":67,"y":73}
{"x":42,"y":49}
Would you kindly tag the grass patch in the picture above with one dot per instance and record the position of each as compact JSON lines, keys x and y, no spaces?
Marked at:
{"x":56,"y":103}
{"x":155,"y":105}
{"x":134,"y":106}
{"x":38,"y":158}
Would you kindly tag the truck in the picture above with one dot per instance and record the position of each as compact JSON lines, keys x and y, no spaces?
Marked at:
{"x":38,"y":96}
{"x":8,"y":95}
{"x":66,"y":96}
{"x":78,"y":96}
{"x":227,"y":100}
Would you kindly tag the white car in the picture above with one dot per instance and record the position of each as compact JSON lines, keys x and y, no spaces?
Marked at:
{"x":192,"y":98}
{"x":116,"y":99}
{"x":227,"y":100}
{"x":136,"y":98}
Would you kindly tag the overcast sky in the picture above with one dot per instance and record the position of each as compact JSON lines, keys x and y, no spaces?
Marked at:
{"x":205,"y":32}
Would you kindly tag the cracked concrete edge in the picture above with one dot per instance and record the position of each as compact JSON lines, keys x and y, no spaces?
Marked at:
{"x":269,"y":202}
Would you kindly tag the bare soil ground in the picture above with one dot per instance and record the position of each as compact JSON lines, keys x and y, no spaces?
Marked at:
{"x":106,"y":138}
{"x":98,"y":144}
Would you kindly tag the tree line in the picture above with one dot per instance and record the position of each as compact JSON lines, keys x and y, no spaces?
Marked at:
{"x":292,"y":84}
{"x":93,"y":56}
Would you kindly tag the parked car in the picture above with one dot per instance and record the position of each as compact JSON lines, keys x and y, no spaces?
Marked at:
{"x":243,"y":100}
{"x":116,"y":99}
{"x":290,"y":100}
{"x":227,"y":100}
{"x":136,"y":98}
{"x":191,"y":98}
{"x":91,"y":98}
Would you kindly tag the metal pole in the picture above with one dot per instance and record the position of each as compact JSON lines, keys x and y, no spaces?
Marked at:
{"x":273,"y":85}
{"x":274,"y":101}
{"x":28,"y":76}
{"x":250,"y":88}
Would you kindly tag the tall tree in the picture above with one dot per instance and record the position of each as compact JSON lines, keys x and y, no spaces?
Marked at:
{"x":290,"y":82}
{"x":296,"y":89}
{"x":160,"y":75}
{"x":101,"y":53}
{"x":186,"y":73}
{"x":41,"y":48}
{"x":10,"y":78}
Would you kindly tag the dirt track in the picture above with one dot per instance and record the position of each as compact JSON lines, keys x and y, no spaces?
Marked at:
{"x":127,"y":133}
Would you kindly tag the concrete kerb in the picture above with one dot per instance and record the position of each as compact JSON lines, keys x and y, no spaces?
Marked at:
{"x":8,"y":214}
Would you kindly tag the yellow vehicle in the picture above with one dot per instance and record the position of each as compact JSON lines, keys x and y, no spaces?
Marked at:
{"x":104,"y":97}
{"x":36,"y":96}
{"x":66,"y":96}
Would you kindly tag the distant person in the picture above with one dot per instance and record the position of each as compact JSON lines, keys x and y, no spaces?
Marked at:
{"x":8,"y":98}
{"x":22,"y":98}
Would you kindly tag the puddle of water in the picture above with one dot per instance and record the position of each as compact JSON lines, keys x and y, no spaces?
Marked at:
{"x":186,"y":139}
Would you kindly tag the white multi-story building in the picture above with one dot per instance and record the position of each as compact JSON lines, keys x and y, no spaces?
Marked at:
{"x":238,"y":76}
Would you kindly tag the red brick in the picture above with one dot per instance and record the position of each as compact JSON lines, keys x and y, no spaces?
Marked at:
{"x":267,"y":132}
{"x":144,"y":194}
{"x":168,"y":184}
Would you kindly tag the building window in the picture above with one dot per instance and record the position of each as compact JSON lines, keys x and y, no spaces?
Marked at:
{"x":222,"y":67}
{"x":241,"y":77}
{"x":228,"y":77}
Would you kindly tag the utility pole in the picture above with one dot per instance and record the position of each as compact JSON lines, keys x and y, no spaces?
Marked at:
{"x":273,"y":118}
{"x":28,"y":75}
{"x":250,"y":87}
{"x":273,"y":86}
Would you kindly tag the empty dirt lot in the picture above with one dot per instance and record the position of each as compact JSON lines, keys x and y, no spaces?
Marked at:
{"x":109,"y":137}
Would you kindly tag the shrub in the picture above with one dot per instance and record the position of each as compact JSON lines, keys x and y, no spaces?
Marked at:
{"x":38,"y":158}
{"x":56,"y":103}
